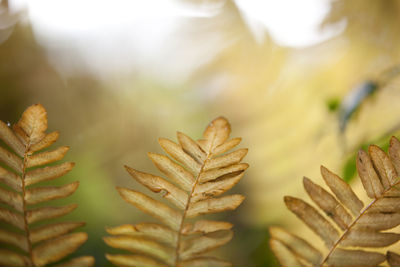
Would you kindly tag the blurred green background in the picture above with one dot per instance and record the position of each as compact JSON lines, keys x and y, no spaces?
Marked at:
{"x":289,"y":75}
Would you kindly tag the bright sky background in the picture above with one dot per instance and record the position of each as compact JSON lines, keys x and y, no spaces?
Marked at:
{"x":113,"y":34}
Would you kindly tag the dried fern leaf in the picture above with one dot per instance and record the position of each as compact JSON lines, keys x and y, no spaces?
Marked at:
{"x":214,"y":205}
{"x":228,"y":145}
{"x":159,"y":210}
{"x":357,"y":226}
{"x":84,"y":261}
{"x":11,"y":179}
{"x":47,"y":173}
{"x":156,"y":184}
{"x":15,"y":239}
{"x":173,"y":171}
{"x":327,"y":203}
{"x":12,"y":199}
{"x":57,"y":248}
{"x":26,"y":139}
{"x":47,"y":141}
{"x":40,"y":214}
{"x":46,"y":157}
{"x":11,"y":160}
{"x":393,"y":259}
{"x":284,"y":254}
{"x":222,"y":172}
{"x":177,"y":153}
{"x":195,"y":174}
{"x":199,"y":244}
{"x":355,"y":258}
{"x":150,"y":230}
{"x":142,"y":245}
{"x":41,"y":194}
{"x":295,"y":245}
{"x":225,"y":160}
{"x":205,"y":226}
{"x":205,"y":261}
{"x":52,"y":230}
{"x":133,"y":260}
{"x":7,"y":135}
{"x":10,"y":258}
{"x":342,"y":191}
{"x":12,"y":218}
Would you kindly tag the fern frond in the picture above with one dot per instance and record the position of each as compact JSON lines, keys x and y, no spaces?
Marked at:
{"x":350,"y":229}
{"x":197,"y":175}
{"x":46,"y":243}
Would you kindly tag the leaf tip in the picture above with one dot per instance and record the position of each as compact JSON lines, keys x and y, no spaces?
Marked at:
{"x":220,"y":121}
{"x":128,"y":169}
{"x":374,"y":149}
{"x":288,"y":200}
{"x":323,"y":169}
{"x":394,"y":141}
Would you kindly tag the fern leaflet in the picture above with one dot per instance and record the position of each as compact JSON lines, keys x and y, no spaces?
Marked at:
{"x":47,"y":243}
{"x":350,"y":225}
{"x":193,"y":188}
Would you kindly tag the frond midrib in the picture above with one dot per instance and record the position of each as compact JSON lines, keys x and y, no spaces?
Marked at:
{"x":178,"y":243}
{"x":24,"y":206}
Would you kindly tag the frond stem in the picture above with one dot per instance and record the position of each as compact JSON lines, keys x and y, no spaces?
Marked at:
{"x":26,"y":226}
{"x":178,"y":243}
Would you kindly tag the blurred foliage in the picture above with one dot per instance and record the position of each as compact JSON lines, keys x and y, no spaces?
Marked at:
{"x":283,"y":101}
{"x":7,"y":21}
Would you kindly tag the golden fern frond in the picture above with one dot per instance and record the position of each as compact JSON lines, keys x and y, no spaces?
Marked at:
{"x":203,"y":172}
{"x":36,"y":245}
{"x":350,"y":229}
